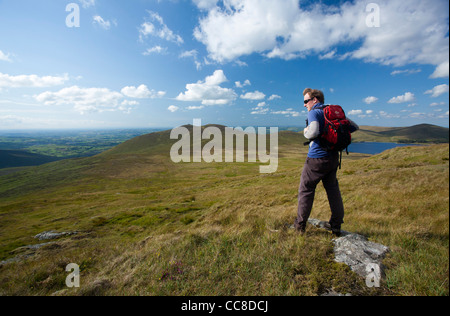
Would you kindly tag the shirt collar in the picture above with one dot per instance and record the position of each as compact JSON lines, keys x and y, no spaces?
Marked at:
{"x":317,"y":105}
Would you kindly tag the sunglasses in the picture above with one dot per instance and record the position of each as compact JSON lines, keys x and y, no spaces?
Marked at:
{"x":307,"y":101}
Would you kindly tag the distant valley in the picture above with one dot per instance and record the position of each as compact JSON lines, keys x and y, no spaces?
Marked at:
{"x":32,"y":149}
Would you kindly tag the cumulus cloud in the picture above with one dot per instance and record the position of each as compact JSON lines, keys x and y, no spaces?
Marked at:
{"x":209,"y":91}
{"x":274,"y":97}
{"x":173,"y":108}
{"x":370,"y":100}
{"x":355,"y":112}
{"x":438,"y":90}
{"x":407,"y":97}
{"x":89,"y":100}
{"x":31,"y":81}
{"x":84,"y":100}
{"x":260,"y":109}
{"x":411,"y":31}
{"x":156,"y":27}
{"x":257,"y":95}
{"x":441,"y":71}
{"x":242,"y":85}
{"x":141,"y":92}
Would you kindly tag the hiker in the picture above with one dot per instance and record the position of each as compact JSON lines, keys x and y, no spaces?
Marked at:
{"x":321,"y":165}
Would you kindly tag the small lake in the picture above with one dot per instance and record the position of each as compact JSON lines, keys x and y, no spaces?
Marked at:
{"x":374,"y":148}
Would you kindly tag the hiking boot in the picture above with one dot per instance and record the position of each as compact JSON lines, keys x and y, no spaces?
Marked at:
{"x":336,"y":231}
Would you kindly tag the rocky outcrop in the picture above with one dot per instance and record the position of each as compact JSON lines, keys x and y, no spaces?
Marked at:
{"x":362,"y":256}
{"x":25,"y":252}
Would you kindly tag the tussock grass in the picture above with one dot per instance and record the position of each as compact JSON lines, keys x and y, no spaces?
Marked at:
{"x":150,"y":227}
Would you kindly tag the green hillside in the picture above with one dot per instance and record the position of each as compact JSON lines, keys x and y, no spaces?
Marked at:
{"x":147,"y":226}
{"x":20,"y":158}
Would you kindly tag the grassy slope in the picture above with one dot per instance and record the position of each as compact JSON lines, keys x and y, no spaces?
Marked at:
{"x":19,"y":158}
{"x":150,"y":227}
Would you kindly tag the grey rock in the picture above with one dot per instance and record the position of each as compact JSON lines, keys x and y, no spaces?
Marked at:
{"x":53,"y":235}
{"x":359,"y":254}
{"x":357,"y":251}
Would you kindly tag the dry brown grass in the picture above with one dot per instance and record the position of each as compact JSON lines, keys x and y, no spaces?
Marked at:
{"x":154,"y":228}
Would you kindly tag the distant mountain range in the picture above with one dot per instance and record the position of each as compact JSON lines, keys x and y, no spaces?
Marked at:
{"x":424,"y":133}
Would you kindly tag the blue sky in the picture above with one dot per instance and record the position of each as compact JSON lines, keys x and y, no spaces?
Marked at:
{"x":150,"y":63}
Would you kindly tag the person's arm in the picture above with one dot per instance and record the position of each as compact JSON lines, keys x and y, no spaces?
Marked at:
{"x":312,"y":131}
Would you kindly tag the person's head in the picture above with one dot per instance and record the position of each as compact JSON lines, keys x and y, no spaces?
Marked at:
{"x":312,"y":97}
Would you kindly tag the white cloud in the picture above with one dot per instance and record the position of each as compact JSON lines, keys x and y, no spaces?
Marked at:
{"x":192,"y":54}
{"x":205,"y":4}
{"x":257,"y":95}
{"x":87,"y":3}
{"x":438,"y":90}
{"x":261,"y":109}
{"x":155,"y":50}
{"x":370,"y":100}
{"x":437,"y":104}
{"x":209,"y":91}
{"x":406,"y":71}
{"x":102,"y":23}
{"x":412,"y":31}
{"x":31,"y":81}
{"x":407,"y":97}
{"x":129,"y":103}
{"x":160,"y":30}
{"x":5,"y":57}
{"x":195,"y":107}
{"x":141,"y":92}
{"x":84,"y":100}
{"x":329,"y":55}
{"x":441,"y":71}
{"x":173,"y":108}
{"x":89,"y":100}
{"x":355,"y":112}
{"x":241,"y":85}
{"x":287,"y":113}
{"x":273,"y":97}
{"x":189,"y":54}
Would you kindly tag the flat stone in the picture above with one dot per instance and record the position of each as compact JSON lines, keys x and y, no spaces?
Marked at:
{"x":357,"y":251}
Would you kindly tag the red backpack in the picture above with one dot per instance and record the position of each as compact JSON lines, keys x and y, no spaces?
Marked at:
{"x":336,"y":134}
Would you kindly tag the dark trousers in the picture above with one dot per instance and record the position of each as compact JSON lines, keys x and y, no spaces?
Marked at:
{"x":316,"y":170}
